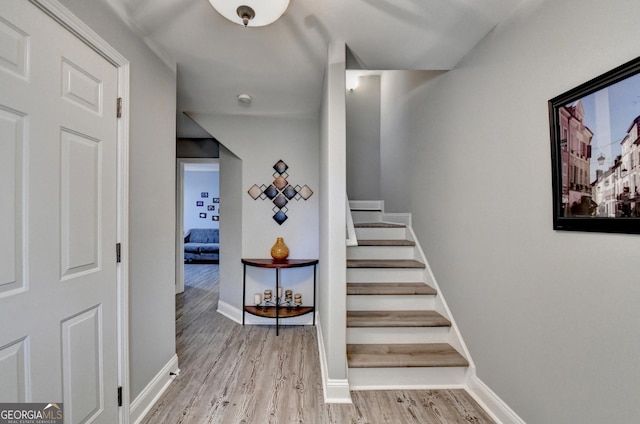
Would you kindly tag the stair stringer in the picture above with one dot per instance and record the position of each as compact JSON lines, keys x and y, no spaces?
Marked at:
{"x":373,"y":210}
{"x":419,"y":378}
{"x":441,"y":306}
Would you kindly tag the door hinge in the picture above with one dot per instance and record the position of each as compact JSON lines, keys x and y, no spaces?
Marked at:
{"x":118,"y":249}
{"x":120,"y":396}
{"x":119,"y":108}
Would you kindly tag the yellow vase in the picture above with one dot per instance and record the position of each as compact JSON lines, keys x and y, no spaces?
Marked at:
{"x":279,"y":251}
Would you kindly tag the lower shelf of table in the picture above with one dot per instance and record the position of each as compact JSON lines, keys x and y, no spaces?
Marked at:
{"x":284,"y":311}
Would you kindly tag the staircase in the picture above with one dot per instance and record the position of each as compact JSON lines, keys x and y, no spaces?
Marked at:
{"x":399,"y":330}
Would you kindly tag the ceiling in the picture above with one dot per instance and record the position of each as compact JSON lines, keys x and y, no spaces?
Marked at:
{"x":281,"y":66}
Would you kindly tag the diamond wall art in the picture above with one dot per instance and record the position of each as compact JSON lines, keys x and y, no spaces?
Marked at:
{"x":280,"y":192}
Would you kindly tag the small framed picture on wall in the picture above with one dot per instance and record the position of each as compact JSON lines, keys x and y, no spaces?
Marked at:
{"x":199,"y":203}
{"x":203,"y":215}
{"x":204,"y":194}
{"x":216,"y":200}
{"x":211,"y":207}
{"x":215,"y":218}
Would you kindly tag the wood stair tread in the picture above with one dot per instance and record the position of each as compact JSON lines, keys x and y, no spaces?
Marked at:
{"x":404,"y":355}
{"x":386,"y":289}
{"x":378,"y":225}
{"x":362,"y":242}
{"x":396,"y":319}
{"x":384,"y":263}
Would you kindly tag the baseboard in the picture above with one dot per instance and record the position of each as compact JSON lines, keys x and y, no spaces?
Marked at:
{"x":496,"y":407}
{"x":229,"y":311}
{"x":398,"y":218}
{"x":141,"y":405}
{"x":334,"y":390}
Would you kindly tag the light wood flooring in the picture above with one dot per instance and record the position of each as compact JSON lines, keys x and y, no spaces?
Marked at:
{"x":245,"y":374}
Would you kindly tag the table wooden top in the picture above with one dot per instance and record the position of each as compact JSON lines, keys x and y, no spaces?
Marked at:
{"x":283,"y":263}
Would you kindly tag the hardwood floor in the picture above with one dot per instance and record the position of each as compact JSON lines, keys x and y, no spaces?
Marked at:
{"x":245,"y":374}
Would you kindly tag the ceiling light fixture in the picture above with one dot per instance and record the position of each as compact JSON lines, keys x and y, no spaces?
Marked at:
{"x":244,"y":98}
{"x":252,"y":13}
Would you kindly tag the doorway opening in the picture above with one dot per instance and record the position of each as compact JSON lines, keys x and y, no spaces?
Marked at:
{"x":198,"y":215}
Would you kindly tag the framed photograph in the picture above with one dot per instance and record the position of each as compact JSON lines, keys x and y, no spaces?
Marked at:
{"x":199,"y":203}
{"x":595,"y":153}
{"x":215,"y":218}
{"x":204,"y":194}
{"x":203,"y":215}
{"x":216,"y":200}
{"x":211,"y":207}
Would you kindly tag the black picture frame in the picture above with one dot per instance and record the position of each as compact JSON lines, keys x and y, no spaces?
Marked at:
{"x":595,"y":153}
{"x":199,"y":203}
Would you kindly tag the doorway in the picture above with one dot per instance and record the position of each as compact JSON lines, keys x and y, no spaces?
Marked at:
{"x":198,"y":210}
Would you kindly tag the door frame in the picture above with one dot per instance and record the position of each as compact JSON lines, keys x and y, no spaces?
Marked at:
{"x":180,"y":168}
{"x":71,"y":22}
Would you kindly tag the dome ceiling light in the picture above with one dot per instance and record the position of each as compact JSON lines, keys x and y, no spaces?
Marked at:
{"x":254,"y":13}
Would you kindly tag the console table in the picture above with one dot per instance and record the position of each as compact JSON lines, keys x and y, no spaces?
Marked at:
{"x":278,"y":310}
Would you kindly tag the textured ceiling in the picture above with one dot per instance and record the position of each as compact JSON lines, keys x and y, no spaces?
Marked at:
{"x":282,"y":65}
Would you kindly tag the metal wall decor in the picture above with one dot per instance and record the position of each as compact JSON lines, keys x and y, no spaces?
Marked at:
{"x":280,"y":192}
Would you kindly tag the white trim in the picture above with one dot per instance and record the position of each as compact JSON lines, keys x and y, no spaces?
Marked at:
{"x":230,"y":311}
{"x":491,"y":403}
{"x":181,"y":164}
{"x":72,"y":23}
{"x":334,"y":390}
{"x":142,"y":404}
{"x":442,"y":307}
{"x":367,"y":205}
{"x":398,"y":218}
{"x":352,"y":238}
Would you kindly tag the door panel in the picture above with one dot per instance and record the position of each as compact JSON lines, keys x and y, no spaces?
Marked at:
{"x":83,"y":378}
{"x":12,"y":167}
{"x":14,"y":45}
{"x":58,"y":334}
{"x":14,"y":370}
{"x":81,"y":184}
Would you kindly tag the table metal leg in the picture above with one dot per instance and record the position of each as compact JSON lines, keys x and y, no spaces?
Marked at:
{"x":277,"y":301}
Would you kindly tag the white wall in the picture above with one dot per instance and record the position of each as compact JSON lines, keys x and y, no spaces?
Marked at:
{"x":333,"y":273}
{"x":152,"y":196}
{"x":195,"y":183}
{"x":232,"y":191}
{"x":396,"y":136}
{"x":550,"y":317}
{"x":363,"y":139}
{"x":258,"y":143}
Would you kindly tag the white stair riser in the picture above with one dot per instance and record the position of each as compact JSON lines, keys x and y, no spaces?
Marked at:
{"x":390,"y":303}
{"x":366,"y":216}
{"x":381,"y":252}
{"x":385,"y":275}
{"x":400,"y":335}
{"x":406,"y":378}
{"x":377,"y":205}
{"x":367,"y":233}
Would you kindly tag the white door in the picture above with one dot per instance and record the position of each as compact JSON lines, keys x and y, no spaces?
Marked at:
{"x":58,"y":333}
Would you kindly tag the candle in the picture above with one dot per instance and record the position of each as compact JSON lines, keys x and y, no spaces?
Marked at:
{"x":298,"y":299}
{"x":257,"y":298}
{"x":267,"y":295}
{"x":279,"y":291}
{"x":288,"y":295}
